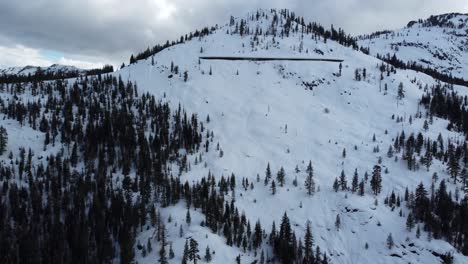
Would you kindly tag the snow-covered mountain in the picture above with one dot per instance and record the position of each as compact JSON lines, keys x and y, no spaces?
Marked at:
{"x":263,"y":112}
{"x":350,"y":120}
{"x":438,"y":42}
{"x":53,"y":69}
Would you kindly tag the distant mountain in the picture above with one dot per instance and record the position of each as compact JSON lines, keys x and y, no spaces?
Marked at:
{"x":55,"y":71}
{"x":438,"y":42}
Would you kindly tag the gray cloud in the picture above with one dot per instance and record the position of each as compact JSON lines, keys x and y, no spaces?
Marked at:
{"x":108,"y":31}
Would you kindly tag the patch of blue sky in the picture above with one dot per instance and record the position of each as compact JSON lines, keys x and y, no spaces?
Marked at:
{"x":52,"y":55}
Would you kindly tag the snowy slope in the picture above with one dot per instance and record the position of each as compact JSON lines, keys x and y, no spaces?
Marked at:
{"x":439,"y":42}
{"x":55,"y":68}
{"x":265,"y":114}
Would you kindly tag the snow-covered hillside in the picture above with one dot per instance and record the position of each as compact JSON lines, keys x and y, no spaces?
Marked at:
{"x":342,"y":117}
{"x":261,"y":112}
{"x":439,"y":42}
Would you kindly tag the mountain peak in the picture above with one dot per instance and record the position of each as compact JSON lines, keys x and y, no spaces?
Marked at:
{"x":448,"y":20}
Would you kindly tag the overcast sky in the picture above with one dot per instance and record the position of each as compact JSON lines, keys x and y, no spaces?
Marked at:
{"x":90,"y":33}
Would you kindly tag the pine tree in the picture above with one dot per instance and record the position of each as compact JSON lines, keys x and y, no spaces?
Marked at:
{"x":390,"y":152}
{"x":267,"y":174}
{"x":207,"y":254}
{"x":308,"y":244}
{"x":354,"y":184}
{"x":258,"y":235}
{"x":343,"y":181}
{"x":428,"y":159}
{"x":390,"y":242}
{"x":188,"y":219}
{"x":361,"y":188}
{"x":425,"y":125}
{"x":309,"y":182}
{"x":162,"y":251}
{"x":238,"y":259}
{"x":171,"y":252}
{"x":453,"y":166}
{"x":376,"y":180}
{"x":280,"y":176}
{"x":336,"y":185}
{"x":185,"y":255}
{"x":149,"y":246}
{"x":273,"y":187}
{"x":193,"y":251}
{"x":3,"y":139}
{"x":337,"y":222}
{"x":401,"y":91}
{"x":284,"y":243}
{"x":409,"y":222}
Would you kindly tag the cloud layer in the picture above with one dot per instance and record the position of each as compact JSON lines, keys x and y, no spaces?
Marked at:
{"x":94,"y":32}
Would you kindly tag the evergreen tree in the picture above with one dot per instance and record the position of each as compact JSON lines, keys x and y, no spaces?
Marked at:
{"x":337,"y":222}
{"x":354,"y":184}
{"x":280,"y":176}
{"x":267,"y":174}
{"x":171,"y":252}
{"x":207,"y":254}
{"x":149,"y":246}
{"x":390,"y":242}
{"x":453,"y":166}
{"x":188,"y":218}
{"x":193,"y":251}
{"x":361,"y":188}
{"x":343,"y":181}
{"x":185,"y":255}
{"x":284,"y":243}
{"x":3,"y":139}
{"x":308,"y":244}
{"x":401,"y":91}
{"x":376,"y":180}
{"x":336,"y":185}
{"x":162,"y":251}
{"x":409,"y":222}
{"x":309,"y":182}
